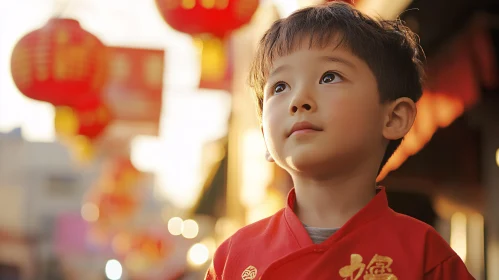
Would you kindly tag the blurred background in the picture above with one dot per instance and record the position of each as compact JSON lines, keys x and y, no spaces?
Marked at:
{"x":130,"y":148}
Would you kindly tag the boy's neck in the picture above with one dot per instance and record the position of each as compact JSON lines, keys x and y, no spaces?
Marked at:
{"x":332,"y":202}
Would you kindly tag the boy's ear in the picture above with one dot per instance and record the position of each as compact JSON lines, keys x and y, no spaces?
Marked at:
{"x":268,"y":157}
{"x":399,"y":117}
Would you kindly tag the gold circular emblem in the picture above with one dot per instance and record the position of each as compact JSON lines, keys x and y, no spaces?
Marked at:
{"x":249,"y":273}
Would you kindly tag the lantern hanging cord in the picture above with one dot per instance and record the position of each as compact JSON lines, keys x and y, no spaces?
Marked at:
{"x":60,"y":7}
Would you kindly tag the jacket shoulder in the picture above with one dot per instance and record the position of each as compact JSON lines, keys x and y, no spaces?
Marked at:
{"x":244,"y":237}
{"x":436,"y":248}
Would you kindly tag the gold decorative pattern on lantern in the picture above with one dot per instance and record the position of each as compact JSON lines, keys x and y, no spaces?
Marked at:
{"x":208,"y":4}
{"x":59,"y":63}
{"x":62,"y":37}
{"x":20,"y":57}
{"x":42,"y":71}
{"x":221,"y":4}
{"x":62,"y":71}
{"x":188,"y":4}
{"x":172,"y":4}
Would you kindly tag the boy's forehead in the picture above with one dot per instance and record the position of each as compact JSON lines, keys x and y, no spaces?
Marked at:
{"x":334,"y":43}
{"x":333,"y":51}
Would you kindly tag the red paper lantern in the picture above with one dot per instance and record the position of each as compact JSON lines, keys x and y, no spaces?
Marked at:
{"x":153,"y":247}
{"x":209,"y":21}
{"x":60,"y":63}
{"x":93,"y":117}
{"x":114,"y":207}
{"x":88,"y":118}
{"x":216,"y":17}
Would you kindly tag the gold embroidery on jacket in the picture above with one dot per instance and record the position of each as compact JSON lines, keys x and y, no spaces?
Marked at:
{"x":377,"y":269}
{"x":249,"y":273}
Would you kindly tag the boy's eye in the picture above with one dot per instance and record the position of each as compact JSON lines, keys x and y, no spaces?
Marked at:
{"x":280,"y":87}
{"x":330,"y":77}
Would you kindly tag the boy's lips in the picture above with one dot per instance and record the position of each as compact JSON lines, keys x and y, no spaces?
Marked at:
{"x":303,"y":127}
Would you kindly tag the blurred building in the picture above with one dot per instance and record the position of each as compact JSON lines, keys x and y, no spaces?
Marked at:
{"x":38,"y":182}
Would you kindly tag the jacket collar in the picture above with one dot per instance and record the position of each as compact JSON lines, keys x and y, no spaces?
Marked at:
{"x":371,"y":212}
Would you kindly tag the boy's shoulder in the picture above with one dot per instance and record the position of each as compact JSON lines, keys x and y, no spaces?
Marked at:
{"x":436,"y":248}
{"x":258,"y":229}
{"x":260,"y":233}
{"x":413,"y":226}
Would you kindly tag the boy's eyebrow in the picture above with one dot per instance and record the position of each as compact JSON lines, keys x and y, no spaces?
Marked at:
{"x":325,"y":58}
{"x":339,"y":60}
{"x":279,"y":69}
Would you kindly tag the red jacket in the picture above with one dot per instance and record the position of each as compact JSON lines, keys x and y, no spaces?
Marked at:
{"x":376,"y":244}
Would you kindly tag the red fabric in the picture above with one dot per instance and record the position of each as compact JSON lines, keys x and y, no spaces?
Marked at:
{"x":376,"y":244}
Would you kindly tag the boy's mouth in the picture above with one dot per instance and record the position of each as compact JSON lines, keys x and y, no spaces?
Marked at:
{"x":303,"y":127}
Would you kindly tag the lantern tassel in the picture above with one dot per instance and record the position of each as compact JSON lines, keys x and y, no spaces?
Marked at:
{"x":212,"y":51}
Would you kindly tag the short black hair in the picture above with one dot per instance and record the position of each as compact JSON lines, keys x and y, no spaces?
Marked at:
{"x":390,"y":49}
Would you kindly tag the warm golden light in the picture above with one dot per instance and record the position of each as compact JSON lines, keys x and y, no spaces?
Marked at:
{"x":65,"y":121}
{"x":190,"y":229}
{"x":256,"y":171}
{"x":90,"y":212}
{"x":210,"y":244}
{"x":213,"y":59}
{"x":458,"y":234}
{"x":476,"y":245}
{"x":497,"y":157}
{"x":273,"y":202}
{"x":177,"y":161}
{"x":198,"y":255}
{"x":175,"y":226}
{"x":224,"y":228}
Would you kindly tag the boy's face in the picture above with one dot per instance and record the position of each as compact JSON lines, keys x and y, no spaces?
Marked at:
{"x":322,"y":111}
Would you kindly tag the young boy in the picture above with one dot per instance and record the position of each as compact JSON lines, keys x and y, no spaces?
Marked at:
{"x":336,"y":93}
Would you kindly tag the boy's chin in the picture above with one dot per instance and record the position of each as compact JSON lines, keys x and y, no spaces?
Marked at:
{"x":308,"y":164}
{"x":318,"y":165}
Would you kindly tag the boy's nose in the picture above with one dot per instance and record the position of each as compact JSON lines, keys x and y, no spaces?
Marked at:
{"x":302,"y":101}
{"x":305,"y":107}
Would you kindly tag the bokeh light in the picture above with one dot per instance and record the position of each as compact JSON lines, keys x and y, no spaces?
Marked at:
{"x":198,"y":255}
{"x":191,"y":229}
{"x":113,"y":270}
{"x":175,"y":226}
{"x":90,"y":212}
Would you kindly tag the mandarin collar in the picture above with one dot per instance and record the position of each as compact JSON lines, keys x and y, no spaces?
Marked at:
{"x":369,"y":213}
